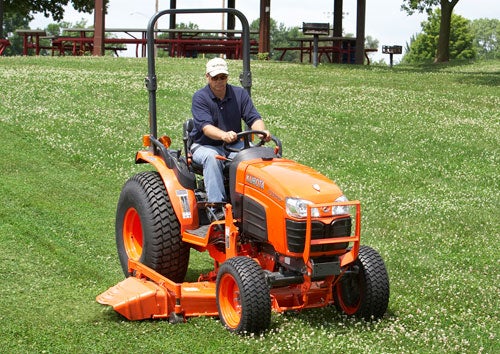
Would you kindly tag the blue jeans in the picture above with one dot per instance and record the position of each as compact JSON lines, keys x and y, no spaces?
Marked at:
{"x":213,"y":169}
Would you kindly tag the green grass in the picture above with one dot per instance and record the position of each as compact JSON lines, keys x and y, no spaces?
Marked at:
{"x":419,"y":146}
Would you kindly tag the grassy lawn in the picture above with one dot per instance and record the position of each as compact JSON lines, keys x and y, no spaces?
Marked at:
{"x":419,"y":146}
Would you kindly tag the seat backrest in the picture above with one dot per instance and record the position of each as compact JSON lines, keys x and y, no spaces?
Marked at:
{"x":187,"y":128}
{"x":188,"y":141}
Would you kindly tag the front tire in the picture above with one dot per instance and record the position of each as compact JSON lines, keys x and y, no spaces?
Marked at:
{"x":364,"y":294}
{"x":242,"y":296}
{"x":147,"y":229}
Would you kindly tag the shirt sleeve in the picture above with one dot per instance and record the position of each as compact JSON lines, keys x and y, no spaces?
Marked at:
{"x":201,"y":110}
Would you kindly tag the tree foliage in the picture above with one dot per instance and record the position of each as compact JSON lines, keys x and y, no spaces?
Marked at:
{"x":280,"y":36}
{"x":11,"y":23}
{"x":424,"y":46}
{"x":53,"y":8}
{"x":446,"y":7}
{"x":410,"y":6}
{"x":49,"y":8}
{"x":486,"y":32}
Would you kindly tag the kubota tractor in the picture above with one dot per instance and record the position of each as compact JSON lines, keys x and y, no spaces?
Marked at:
{"x":290,"y":239}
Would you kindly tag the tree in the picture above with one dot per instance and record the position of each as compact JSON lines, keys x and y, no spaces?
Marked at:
{"x":280,"y":37}
{"x":53,"y":8}
{"x":443,"y":45}
{"x":371,"y":42}
{"x":11,"y":23}
{"x":486,"y":32}
{"x":424,"y":46}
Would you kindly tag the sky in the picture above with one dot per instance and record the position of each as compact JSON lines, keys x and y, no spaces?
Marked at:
{"x":385,"y":21}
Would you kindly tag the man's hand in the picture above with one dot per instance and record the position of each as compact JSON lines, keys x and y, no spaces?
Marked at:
{"x":218,"y":134}
{"x":259,"y":125}
{"x":229,"y":137}
{"x":266,"y":138}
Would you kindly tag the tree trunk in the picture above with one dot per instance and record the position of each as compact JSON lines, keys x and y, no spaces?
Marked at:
{"x":1,"y":19}
{"x":443,"y":48}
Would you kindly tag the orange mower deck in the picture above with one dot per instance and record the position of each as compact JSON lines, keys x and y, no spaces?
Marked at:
{"x":149,"y":295}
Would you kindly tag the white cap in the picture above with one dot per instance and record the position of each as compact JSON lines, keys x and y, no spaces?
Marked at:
{"x":217,"y":66}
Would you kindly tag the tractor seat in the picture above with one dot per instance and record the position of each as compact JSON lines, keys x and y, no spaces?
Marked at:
{"x":188,"y":141}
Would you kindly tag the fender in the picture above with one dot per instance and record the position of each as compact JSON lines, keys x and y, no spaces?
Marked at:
{"x":183,"y":200}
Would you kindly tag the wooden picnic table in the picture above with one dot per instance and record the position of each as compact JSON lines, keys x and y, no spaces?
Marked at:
{"x":336,"y":49}
{"x":182,"y":42}
{"x":369,"y":50}
{"x":31,"y":39}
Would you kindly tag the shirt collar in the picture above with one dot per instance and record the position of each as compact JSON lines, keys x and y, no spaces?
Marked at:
{"x":227,"y":97}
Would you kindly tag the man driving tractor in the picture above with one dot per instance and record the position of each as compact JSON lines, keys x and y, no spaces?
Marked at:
{"x":218,"y":109}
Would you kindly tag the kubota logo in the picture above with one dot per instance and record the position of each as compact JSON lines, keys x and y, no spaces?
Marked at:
{"x":257,"y":182}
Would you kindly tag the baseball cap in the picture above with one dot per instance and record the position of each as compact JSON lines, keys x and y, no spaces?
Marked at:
{"x":217,"y":66}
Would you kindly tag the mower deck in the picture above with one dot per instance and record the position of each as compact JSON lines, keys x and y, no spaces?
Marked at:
{"x":149,"y":295}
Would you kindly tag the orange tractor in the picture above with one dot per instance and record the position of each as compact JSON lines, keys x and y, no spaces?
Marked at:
{"x":290,"y":239}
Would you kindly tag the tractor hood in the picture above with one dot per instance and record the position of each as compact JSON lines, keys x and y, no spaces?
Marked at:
{"x":281,"y":178}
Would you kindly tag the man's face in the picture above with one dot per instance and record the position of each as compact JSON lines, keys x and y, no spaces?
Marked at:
{"x":218,"y":83}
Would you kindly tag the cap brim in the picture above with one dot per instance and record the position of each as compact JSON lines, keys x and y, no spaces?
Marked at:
{"x":217,"y":72}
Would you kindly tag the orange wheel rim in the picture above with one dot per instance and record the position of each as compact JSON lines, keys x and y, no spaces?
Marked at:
{"x":132,"y":234}
{"x":349,"y":295}
{"x":229,"y":301}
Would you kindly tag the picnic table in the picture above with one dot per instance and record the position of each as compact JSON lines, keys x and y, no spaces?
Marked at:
{"x":31,"y":40}
{"x":4,"y":43}
{"x":336,"y":49}
{"x":369,"y":50}
{"x":180,"y":43}
{"x":76,"y":41}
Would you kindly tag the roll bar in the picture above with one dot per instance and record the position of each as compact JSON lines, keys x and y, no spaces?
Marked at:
{"x":151,"y":81}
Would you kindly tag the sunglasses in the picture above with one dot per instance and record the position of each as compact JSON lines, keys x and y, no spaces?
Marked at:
{"x":219,"y":77}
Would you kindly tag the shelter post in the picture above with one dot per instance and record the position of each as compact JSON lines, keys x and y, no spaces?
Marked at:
{"x":99,"y":18}
{"x":360,"y":32}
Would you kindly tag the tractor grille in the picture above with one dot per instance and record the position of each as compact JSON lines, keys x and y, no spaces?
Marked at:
{"x":296,"y":234}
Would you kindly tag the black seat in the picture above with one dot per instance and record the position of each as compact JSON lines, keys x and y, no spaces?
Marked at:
{"x":188,"y":141}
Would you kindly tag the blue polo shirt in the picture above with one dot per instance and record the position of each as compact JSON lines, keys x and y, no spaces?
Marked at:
{"x":226,"y":114}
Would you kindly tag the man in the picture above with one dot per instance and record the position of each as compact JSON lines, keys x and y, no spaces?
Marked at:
{"x":217,"y":110}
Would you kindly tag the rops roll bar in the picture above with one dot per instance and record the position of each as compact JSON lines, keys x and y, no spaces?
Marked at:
{"x":151,"y":82}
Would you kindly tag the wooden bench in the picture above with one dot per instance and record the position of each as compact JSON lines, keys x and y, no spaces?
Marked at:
{"x":286,"y":49}
{"x":76,"y":45}
{"x":322,"y":50}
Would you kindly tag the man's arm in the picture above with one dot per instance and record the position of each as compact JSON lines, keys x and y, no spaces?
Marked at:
{"x":218,"y":134}
{"x":259,"y":125}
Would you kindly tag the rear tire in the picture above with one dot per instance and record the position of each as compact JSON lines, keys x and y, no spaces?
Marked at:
{"x":365,"y":294}
{"x":243,"y":298}
{"x":147,"y":229}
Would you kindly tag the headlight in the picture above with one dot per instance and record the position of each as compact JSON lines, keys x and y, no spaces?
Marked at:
{"x":341,"y":209}
{"x":297,"y":208}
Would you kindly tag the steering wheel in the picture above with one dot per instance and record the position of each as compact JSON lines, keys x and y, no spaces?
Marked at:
{"x":245,"y":135}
